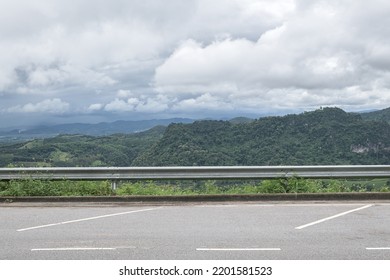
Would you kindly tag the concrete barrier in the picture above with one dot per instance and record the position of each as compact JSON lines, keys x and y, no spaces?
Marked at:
{"x":379,"y":196}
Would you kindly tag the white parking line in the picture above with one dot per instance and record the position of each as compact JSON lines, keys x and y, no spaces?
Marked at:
{"x":234,"y":205}
{"x":71,"y":249}
{"x":379,"y":248}
{"x":284,"y":205}
{"x":88,"y":219}
{"x":333,"y":217}
{"x":238,"y":249}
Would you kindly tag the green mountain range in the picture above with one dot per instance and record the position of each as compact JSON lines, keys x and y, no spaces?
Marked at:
{"x":80,"y":150}
{"x":325,"y":136}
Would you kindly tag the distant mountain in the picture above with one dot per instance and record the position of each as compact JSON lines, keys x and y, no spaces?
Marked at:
{"x":239,"y":120}
{"x":80,"y":150}
{"x":379,"y":115}
{"x":100,"y":129}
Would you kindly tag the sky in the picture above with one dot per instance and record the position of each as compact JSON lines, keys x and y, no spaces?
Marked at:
{"x":98,"y":60}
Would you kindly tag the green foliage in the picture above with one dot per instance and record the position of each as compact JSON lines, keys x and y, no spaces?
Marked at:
{"x":335,"y":186}
{"x":30,"y":187}
{"x":380,"y":115}
{"x":290,"y":185}
{"x":328,"y":136}
{"x":271,"y":186}
{"x":79,"y":150}
{"x":149,"y":188}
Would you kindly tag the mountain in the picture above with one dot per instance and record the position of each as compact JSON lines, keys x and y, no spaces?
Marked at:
{"x":99,"y":129}
{"x":379,"y":115}
{"x":326,"y":136}
{"x":80,"y":150}
{"x":239,"y":120}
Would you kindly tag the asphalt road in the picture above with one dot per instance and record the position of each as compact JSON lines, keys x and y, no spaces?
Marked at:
{"x":271,"y":231}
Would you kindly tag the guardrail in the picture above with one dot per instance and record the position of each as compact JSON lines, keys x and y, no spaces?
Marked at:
{"x":115,"y":174}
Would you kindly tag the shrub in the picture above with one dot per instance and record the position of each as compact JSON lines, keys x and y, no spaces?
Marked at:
{"x":30,"y":187}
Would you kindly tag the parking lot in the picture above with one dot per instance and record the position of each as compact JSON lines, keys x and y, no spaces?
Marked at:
{"x":273,"y":231}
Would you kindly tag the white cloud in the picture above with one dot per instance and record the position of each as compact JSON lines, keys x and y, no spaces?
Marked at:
{"x":119,"y":105}
{"x":155,"y":104}
{"x":95,"y":107}
{"x":204,"y":102}
{"x":272,"y":62}
{"x":124,"y":93}
{"x":143,"y":104}
{"x":52,"y":106}
{"x":65,"y":75}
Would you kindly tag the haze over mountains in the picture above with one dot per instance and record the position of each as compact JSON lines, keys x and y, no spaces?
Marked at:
{"x":126,"y":126}
{"x":99,"y":129}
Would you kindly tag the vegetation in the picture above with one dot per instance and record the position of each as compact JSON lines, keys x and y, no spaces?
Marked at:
{"x":79,"y":150}
{"x":99,"y":129}
{"x":89,"y":188}
{"x":328,"y":136}
{"x":31,"y":187}
{"x":380,"y":115}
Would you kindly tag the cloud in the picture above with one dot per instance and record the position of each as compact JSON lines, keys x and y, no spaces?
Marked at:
{"x":154,"y":104}
{"x":242,"y":63}
{"x":54,"y":43}
{"x":60,"y":75}
{"x":52,"y":106}
{"x":173,"y":56}
{"x":317,"y":56}
{"x":142,"y":104}
{"x":203,"y":102}
{"x":124,"y":93}
{"x":119,"y":105}
{"x":95,"y":107}
{"x":97,"y":36}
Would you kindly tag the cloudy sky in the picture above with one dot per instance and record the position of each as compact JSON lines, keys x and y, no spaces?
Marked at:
{"x":99,"y":60}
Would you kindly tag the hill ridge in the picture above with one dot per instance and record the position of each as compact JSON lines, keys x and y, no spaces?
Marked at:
{"x":324,"y":136}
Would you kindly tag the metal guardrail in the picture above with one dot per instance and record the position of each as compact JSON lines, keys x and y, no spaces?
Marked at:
{"x":115,"y":174}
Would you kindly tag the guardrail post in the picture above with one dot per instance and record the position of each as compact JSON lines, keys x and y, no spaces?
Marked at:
{"x":114,"y":184}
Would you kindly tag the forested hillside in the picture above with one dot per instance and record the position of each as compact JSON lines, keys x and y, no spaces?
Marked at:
{"x":326,"y":136}
{"x":80,"y":150}
{"x":380,"y":115}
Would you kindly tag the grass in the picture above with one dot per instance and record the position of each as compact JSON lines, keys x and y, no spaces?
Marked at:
{"x":30,"y":187}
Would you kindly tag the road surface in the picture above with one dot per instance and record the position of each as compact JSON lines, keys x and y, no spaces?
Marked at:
{"x":269,"y":231}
